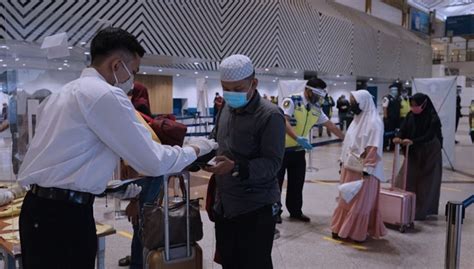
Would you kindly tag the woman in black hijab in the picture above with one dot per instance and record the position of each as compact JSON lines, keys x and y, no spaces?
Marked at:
{"x":422,"y":130}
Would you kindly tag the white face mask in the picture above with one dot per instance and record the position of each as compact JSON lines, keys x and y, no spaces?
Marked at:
{"x":126,"y":86}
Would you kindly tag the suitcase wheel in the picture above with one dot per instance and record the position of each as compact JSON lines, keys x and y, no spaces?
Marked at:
{"x":402,"y":229}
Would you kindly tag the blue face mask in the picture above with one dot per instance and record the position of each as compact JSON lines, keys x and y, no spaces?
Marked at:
{"x":236,"y":99}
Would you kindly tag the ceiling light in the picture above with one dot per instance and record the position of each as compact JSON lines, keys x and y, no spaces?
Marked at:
{"x":207,"y":76}
{"x":65,"y":61}
{"x":335,"y":84}
{"x":83,"y":43}
{"x":4,"y":65}
{"x":160,"y":70}
{"x":338,"y":76}
{"x":70,"y":48}
{"x":178,"y":75}
{"x":196,"y":63}
{"x":407,"y":83}
{"x":87,"y":53}
{"x":4,"y":47}
{"x":196,"y":72}
{"x":274,"y":81}
{"x":144,"y":73}
{"x":24,"y":64}
{"x":17,"y":59}
{"x":1,"y":60}
{"x":266,"y":69}
{"x":370,"y":79}
{"x":60,"y":68}
{"x":345,"y":83}
{"x":65,"y":64}
{"x":296,"y":72}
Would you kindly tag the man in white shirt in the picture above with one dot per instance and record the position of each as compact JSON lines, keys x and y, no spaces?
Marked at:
{"x":82,"y":132}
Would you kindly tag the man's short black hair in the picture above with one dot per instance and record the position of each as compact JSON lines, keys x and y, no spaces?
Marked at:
{"x":316,"y":83}
{"x":111,"y":39}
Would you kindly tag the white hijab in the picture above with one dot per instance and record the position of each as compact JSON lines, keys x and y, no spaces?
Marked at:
{"x":365,"y":130}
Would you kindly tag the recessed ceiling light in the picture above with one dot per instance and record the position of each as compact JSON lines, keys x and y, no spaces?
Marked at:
{"x":1,"y":60}
{"x":144,"y":73}
{"x":17,"y":59}
{"x":24,"y":64}
{"x":178,"y":75}
{"x":371,"y":79}
{"x":207,"y":76}
{"x":345,"y":83}
{"x":274,"y":81}
{"x":4,"y":47}
{"x":335,"y":84}
{"x":160,"y":70}
{"x":407,"y":83}
{"x":87,"y":53}
{"x":196,"y":63}
{"x":60,"y":68}
{"x":65,"y":64}
{"x":70,"y":48}
{"x":266,"y":69}
{"x":296,"y":72}
{"x":196,"y":72}
{"x":4,"y":65}
{"x":338,"y":76}
{"x":83,"y":43}
{"x":65,"y":61}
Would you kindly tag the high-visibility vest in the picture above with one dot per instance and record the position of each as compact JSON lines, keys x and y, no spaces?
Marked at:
{"x":404,"y":107}
{"x":303,"y":120}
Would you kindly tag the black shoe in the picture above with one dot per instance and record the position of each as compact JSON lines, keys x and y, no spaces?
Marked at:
{"x":302,"y":218}
{"x":125,"y":261}
{"x":335,"y":236}
{"x":278,"y":219}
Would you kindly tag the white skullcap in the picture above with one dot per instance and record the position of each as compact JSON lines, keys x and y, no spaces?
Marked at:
{"x":236,"y":67}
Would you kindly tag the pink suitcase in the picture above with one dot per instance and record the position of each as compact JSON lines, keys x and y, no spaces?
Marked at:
{"x":398,"y":206}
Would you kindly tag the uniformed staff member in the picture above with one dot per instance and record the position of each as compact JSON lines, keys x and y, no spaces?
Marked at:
{"x":302,"y":112}
{"x":391,"y":115}
{"x":82,"y":132}
{"x":404,"y":105}
{"x":251,"y":133}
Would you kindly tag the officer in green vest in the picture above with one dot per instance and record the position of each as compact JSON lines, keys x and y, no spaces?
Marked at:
{"x":302,"y":112}
{"x":404,"y":104}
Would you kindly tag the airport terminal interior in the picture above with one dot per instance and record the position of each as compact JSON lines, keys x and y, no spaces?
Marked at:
{"x":325,"y":54}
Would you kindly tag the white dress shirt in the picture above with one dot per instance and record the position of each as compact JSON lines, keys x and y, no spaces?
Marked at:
{"x":82,"y":132}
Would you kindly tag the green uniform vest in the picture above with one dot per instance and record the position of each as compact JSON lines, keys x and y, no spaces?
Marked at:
{"x":404,"y":108}
{"x":305,"y":119}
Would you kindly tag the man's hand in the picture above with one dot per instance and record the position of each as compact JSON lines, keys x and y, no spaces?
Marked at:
{"x":132,"y":210}
{"x":304,"y":142}
{"x":397,"y":140}
{"x":223,"y":166}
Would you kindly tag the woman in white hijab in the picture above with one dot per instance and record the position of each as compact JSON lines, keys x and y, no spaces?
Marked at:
{"x":361,"y":159}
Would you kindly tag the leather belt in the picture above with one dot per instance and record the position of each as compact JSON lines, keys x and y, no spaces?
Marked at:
{"x":57,"y":194}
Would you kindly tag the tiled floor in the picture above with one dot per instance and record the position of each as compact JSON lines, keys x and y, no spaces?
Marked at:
{"x":308,"y":245}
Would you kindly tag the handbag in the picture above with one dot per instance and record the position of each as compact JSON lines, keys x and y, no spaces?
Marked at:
{"x":350,"y":190}
{"x":354,"y":162}
{"x":153,"y":225}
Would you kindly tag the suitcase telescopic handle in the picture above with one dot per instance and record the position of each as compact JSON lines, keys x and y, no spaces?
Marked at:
{"x":396,"y":159}
{"x":186,"y":176}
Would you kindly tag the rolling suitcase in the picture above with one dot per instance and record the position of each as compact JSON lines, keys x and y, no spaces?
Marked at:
{"x":397,"y":205}
{"x":188,"y":256}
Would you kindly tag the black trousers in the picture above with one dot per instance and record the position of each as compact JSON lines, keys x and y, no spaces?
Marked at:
{"x":57,"y":234}
{"x":246,"y":241}
{"x":295,"y":163}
